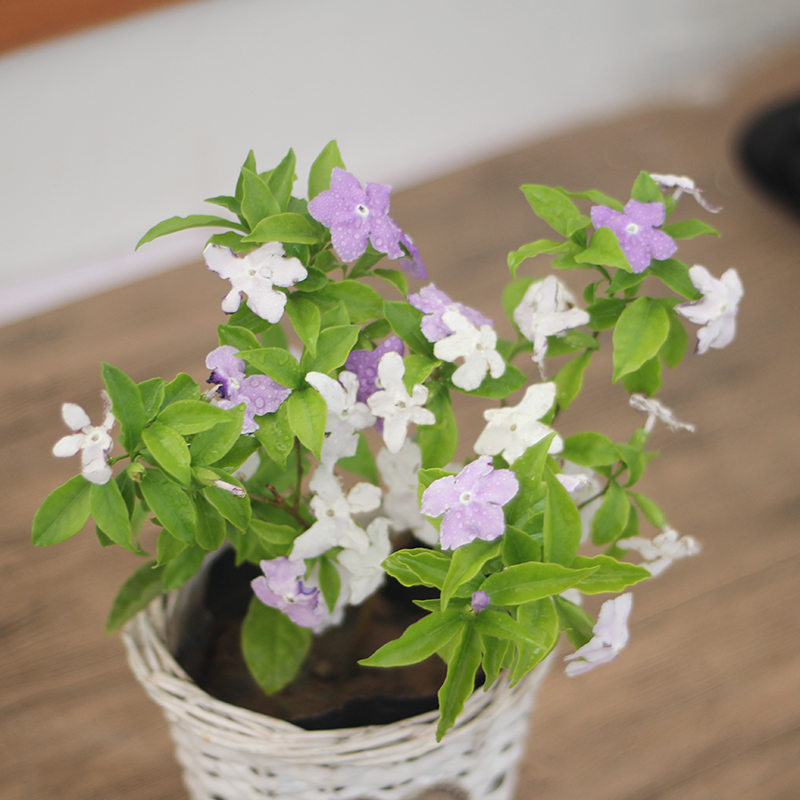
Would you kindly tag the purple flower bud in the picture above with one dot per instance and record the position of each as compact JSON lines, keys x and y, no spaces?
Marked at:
{"x":480,"y":601}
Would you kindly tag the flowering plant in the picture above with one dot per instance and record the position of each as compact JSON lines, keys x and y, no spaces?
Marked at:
{"x":309,"y":458}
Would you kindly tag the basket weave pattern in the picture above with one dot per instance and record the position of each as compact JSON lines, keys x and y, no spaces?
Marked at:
{"x":230,"y":753}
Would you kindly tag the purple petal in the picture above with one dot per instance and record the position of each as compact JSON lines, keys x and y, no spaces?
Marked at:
{"x":649,"y":215}
{"x":469,"y":478}
{"x":485,"y":520}
{"x":498,"y":487}
{"x":480,"y":601}
{"x":439,"y":496}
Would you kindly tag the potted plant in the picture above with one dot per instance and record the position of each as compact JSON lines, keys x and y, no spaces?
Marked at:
{"x":316,"y":469}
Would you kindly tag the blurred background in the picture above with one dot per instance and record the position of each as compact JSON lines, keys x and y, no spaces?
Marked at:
{"x":119,"y":114}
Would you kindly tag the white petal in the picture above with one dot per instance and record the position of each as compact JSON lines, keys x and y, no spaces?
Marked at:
{"x":288,"y":271}
{"x":69,"y":445}
{"x":75,"y":417}
{"x":364,"y":497}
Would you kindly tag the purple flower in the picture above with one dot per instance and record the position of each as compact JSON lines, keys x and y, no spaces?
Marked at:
{"x":259,"y":393}
{"x":364,"y":363}
{"x":356,"y":216}
{"x":471,"y":502}
{"x":636,"y":232}
{"x":433,"y":303}
{"x":281,"y":587}
{"x":480,"y":601}
{"x":412,"y":263}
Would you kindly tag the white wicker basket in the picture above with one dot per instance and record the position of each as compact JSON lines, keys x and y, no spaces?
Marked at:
{"x":230,"y":753}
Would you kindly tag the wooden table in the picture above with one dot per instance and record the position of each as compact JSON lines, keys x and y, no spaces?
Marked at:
{"x":704,"y":702}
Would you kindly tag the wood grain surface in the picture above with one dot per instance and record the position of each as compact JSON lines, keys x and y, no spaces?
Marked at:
{"x":703,"y":703}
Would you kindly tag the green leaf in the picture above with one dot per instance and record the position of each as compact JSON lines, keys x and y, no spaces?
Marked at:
{"x":257,"y":200}
{"x":281,"y":180}
{"x":362,"y":463}
{"x":127,"y":405}
{"x":466,"y":563}
{"x":308,"y":414}
{"x":333,"y":347}
{"x":275,"y":435}
{"x":182,"y":387}
{"x":459,"y":684}
{"x":174,"y":224}
{"x":574,"y":621}
{"x":675,"y":275}
{"x":646,"y":379}
{"x":183,"y":567}
{"x":274,"y":647}
{"x":570,"y":379}
{"x":688,"y":229}
{"x":395,"y":278}
{"x":555,"y":208}
{"x":305,"y":318}
{"x":623,"y":281}
{"x":281,"y":536}
{"x":562,"y":523}
{"x":516,"y":257}
{"x":611,"y":518}
{"x":519,"y":547}
{"x":596,"y":197}
{"x":284,"y":227}
{"x":366,"y":262}
{"x":540,"y":619}
{"x":235,"y":509}
{"x":249,"y":163}
{"x":238,"y":337}
{"x":641,"y":330}
{"x":438,"y":442}
{"x":208,"y":447}
{"x":330,"y":583}
{"x":363,"y":303}
{"x":405,"y":321}
{"x":111,"y":513}
{"x":604,"y":312}
{"x":523,"y":583}
{"x":210,"y":524}
{"x":279,"y":364}
{"x":152,"y":393}
{"x":590,"y":450}
{"x":611,"y":575}
{"x":336,"y":316}
{"x":495,"y":655}
{"x":168,"y":547}
{"x":226,"y":201}
{"x":604,"y":250}
{"x":646,"y":190}
{"x":499,"y":388}
{"x":503,"y":626}
{"x":674,"y":347}
{"x":513,"y":294}
{"x":418,"y":566}
{"x":319,"y":178}
{"x":170,"y":451}
{"x":192,"y":416}
{"x":63,"y":513}
{"x":313,"y":282}
{"x":172,"y":506}
{"x":418,"y":641}
{"x":135,"y":595}
{"x":653,"y":514}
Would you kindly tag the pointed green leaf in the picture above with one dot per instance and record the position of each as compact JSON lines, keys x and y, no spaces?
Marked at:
{"x":604,"y":250}
{"x":135,"y":595}
{"x":284,"y":227}
{"x":405,"y":321}
{"x":555,"y":208}
{"x":574,"y":621}
{"x":590,"y":450}
{"x":675,"y":275}
{"x":459,"y":684}
{"x":438,"y":442}
{"x":275,"y":435}
{"x":519,"y":547}
{"x":562,"y":523}
{"x":641,"y":330}
{"x":111,"y":513}
{"x":183,"y":567}
{"x":540,"y":619}
{"x":395,"y":278}
{"x":465,"y":564}
{"x":674,"y":347}
{"x":192,"y":416}
{"x":363,"y":303}
{"x":172,"y":506}
{"x":420,"y":565}
{"x":208,"y":447}
{"x":174,"y":224}
{"x":610,"y":519}
{"x":152,"y":393}
{"x":523,"y":583}
{"x":319,"y":178}
{"x":305,"y":318}
{"x":257,"y":200}
{"x":646,"y":379}
{"x":611,"y":575}
{"x":516,"y":257}
{"x":279,"y":364}
{"x":646,"y":190}
{"x":170,"y":451}
{"x":308,"y":414}
{"x":63,"y":513}
{"x":127,"y":405}
{"x":210,"y":525}
{"x":238,"y":337}
{"x":168,"y":547}
{"x":333,"y":347}
{"x":570,"y":379}
{"x":281,"y":180}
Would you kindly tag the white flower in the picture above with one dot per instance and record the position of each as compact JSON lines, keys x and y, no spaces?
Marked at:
{"x":547,"y":309}
{"x":366,"y":572}
{"x":256,"y":274}
{"x":346,"y":415}
{"x":93,"y":443}
{"x":399,"y":473}
{"x":477,"y":346}
{"x":514,"y":429}
{"x":333,"y":510}
{"x":395,"y":405}
{"x":656,"y":410}
{"x":610,"y":636}
{"x":683,"y":184}
{"x":662,"y":550}
{"x":717,"y":310}
{"x":584,"y":486}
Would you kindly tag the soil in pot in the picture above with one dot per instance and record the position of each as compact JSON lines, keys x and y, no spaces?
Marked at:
{"x":332,"y":690}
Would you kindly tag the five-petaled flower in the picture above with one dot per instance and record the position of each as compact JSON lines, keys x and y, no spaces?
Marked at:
{"x":434,"y":304}
{"x":636,"y":231}
{"x":259,"y":393}
{"x":472,"y":503}
{"x":346,"y":415}
{"x":512,"y":430}
{"x":333,"y":510}
{"x":256,"y":274}
{"x":660,"y":551}
{"x":93,"y":443}
{"x":610,"y":636}
{"x":356,"y":216}
{"x":282,"y":587}
{"x":716,"y":312}
{"x":477,"y":346}
{"x":395,"y":405}
{"x":365,"y":571}
{"x":547,"y":309}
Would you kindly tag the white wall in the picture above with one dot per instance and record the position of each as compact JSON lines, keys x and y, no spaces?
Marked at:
{"x":107,"y":132}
